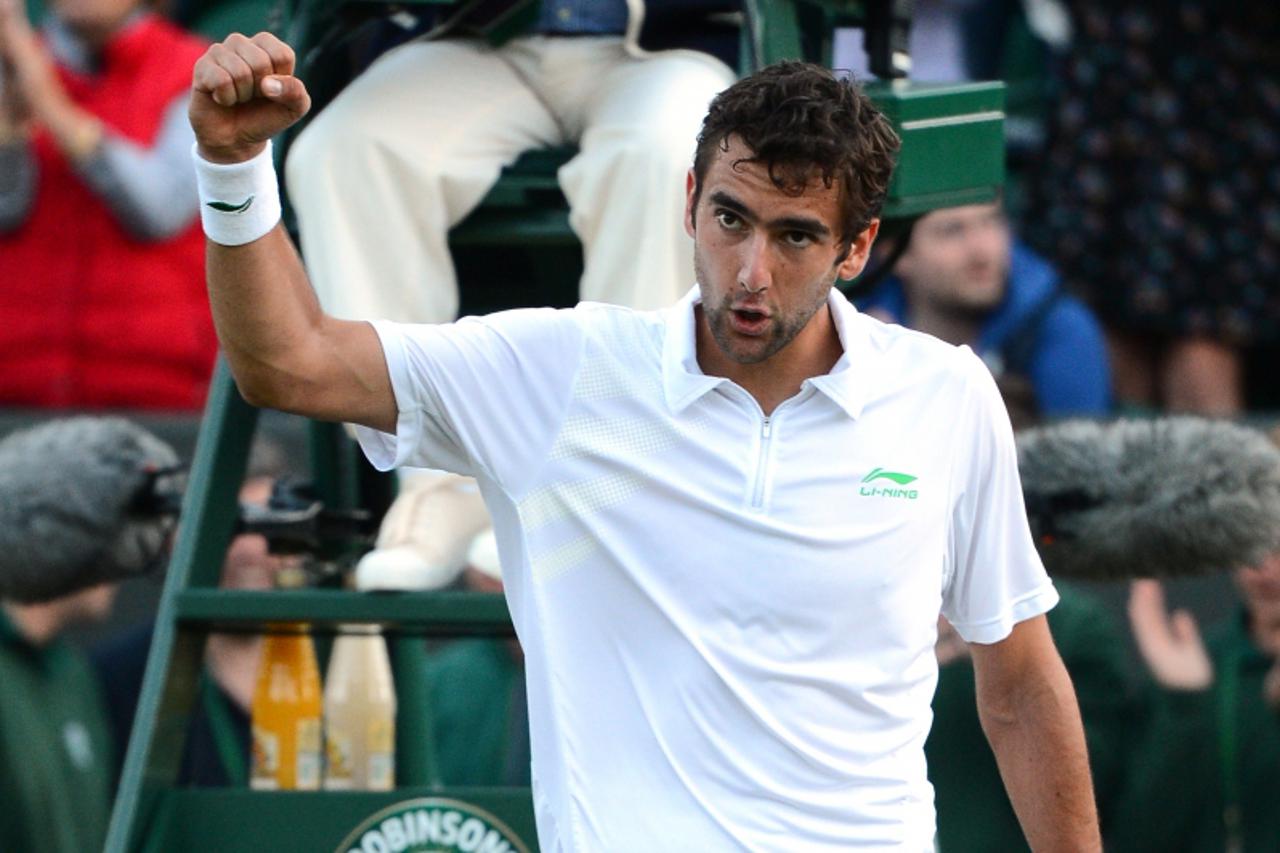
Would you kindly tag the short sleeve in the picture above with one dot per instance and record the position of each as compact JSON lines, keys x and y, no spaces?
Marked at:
{"x":484,"y":396}
{"x":995,"y":578}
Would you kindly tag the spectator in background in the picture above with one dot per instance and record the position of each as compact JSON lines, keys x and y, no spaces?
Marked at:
{"x":406,"y":151}
{"x":217,"y":744}
{"x":1158,"y":196}
{"x":1206,"y":767}
{"x":974,"y":812}
{"x":963,"y":278}
{"x":83,"y":504}
{"x":101,"y":256}
{"x":56,"y":752}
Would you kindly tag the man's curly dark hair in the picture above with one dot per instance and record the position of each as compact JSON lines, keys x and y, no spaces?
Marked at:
{"x":799,"y":118}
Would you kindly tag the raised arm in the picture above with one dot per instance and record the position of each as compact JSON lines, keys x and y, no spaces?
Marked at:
{"x":1030,"y":715}
{"x":284,"y":351}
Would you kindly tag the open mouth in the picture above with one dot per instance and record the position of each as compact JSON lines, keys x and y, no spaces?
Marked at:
{"x":748,"y":321}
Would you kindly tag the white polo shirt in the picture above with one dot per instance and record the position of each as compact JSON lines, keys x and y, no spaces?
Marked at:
{"x":729,"y":619}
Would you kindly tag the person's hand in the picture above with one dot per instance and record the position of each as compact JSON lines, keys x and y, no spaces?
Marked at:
{"x":29,"y":66}
{"x":1170,"y":644}
{"x":36,"y":91}
{"x":29,"y":77}
{"x":243,"y":93}
{"x":15,"y":115}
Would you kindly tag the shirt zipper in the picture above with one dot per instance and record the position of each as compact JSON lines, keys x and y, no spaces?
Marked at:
{"x":766,"y":438}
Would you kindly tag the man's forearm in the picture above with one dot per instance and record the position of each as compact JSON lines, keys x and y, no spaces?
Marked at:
{"x":284,"y":352}
{"x":1039,"y":744}
{"x":265,"y":312}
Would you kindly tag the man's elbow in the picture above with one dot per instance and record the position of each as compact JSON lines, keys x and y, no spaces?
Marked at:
{"x":1045,"y":690}
{"x":263,"y":387}
{"x":997,"y":717}
{"x":259,"y":394}
{"x":1014,"y":688}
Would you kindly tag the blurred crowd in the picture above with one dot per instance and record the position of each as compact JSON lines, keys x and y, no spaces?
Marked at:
{"x":1130,"y":268}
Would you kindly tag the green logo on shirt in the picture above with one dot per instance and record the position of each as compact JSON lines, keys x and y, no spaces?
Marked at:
{"x":881,"y":474}
{"x":869,"y":489}
{"x":226,"y":207}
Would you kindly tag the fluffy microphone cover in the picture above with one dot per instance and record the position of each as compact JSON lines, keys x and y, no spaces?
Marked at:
{"x":68,"y":491}
{"x":1168,"y":497}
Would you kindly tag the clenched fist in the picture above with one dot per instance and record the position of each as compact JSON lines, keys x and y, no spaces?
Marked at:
{"x":243,"y":92}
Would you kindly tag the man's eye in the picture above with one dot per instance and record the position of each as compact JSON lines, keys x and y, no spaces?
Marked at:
{"x":798,"y":239}
{"x":728,"y":219}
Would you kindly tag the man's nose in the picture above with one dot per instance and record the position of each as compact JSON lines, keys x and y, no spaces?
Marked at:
{"x":756,"y":271}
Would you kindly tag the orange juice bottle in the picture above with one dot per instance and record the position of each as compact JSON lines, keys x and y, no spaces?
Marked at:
{"x":286,"y":713}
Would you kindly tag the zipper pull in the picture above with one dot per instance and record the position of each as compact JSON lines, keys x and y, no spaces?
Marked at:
{"x":766,"y":428}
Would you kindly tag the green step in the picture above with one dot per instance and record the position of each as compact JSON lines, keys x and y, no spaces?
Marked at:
{"x":452,"y":613}
{"x":237,"y":820}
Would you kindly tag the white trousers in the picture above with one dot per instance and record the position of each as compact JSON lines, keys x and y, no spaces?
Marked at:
{"x":413,"y":145}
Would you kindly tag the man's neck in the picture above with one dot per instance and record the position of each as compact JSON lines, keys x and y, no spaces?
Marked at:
{"x":948,"y":326}
{"x":38,"y":624}
{"x":813,"y":352}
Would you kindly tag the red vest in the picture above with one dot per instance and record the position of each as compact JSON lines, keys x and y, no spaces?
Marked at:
{"x":90,"y":316}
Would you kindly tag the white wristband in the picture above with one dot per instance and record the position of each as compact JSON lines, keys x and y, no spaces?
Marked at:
{"x":239,"y":202}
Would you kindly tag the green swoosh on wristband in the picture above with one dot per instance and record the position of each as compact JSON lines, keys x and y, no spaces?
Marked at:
{"x":225,"y":207}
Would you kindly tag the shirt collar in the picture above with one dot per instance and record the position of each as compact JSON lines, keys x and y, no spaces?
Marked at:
{"x":682,"y":379}
{"x":684,"y":382}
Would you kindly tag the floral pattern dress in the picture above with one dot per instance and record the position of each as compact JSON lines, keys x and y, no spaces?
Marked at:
{"x":1159,"y":194}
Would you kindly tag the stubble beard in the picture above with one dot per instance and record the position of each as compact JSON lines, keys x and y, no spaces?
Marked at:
{"x":782,"y":330}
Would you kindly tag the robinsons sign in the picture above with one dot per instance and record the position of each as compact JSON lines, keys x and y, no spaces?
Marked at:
{"x":432,"y":825}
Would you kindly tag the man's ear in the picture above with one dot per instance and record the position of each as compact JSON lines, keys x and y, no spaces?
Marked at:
{"x":859,"y":251}
{"x":690,"y":199}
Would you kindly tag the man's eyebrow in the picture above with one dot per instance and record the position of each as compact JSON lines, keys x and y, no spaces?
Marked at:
{"x":800,"y":223}
{"x":809,"y":225}
{"x":723,"y":199}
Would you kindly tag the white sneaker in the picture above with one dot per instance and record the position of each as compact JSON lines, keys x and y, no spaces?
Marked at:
{"x":424,"y":537}
{"x":483,"y":555}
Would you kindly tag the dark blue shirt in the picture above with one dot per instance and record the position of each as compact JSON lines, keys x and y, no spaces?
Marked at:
{"x":1067,"y":364}
{"x":594,"y":17}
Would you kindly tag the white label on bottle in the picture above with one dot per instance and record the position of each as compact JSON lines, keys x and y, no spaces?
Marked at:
{"x":308,"y":778}
{"x":382,"y":772}
{"x":381,"y":761}
{"x":337,"y":772}
{"x":266,"y":760}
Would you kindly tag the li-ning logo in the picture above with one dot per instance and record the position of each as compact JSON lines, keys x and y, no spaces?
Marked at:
{"x":225,"y":207}
{"x":871,"y":490}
